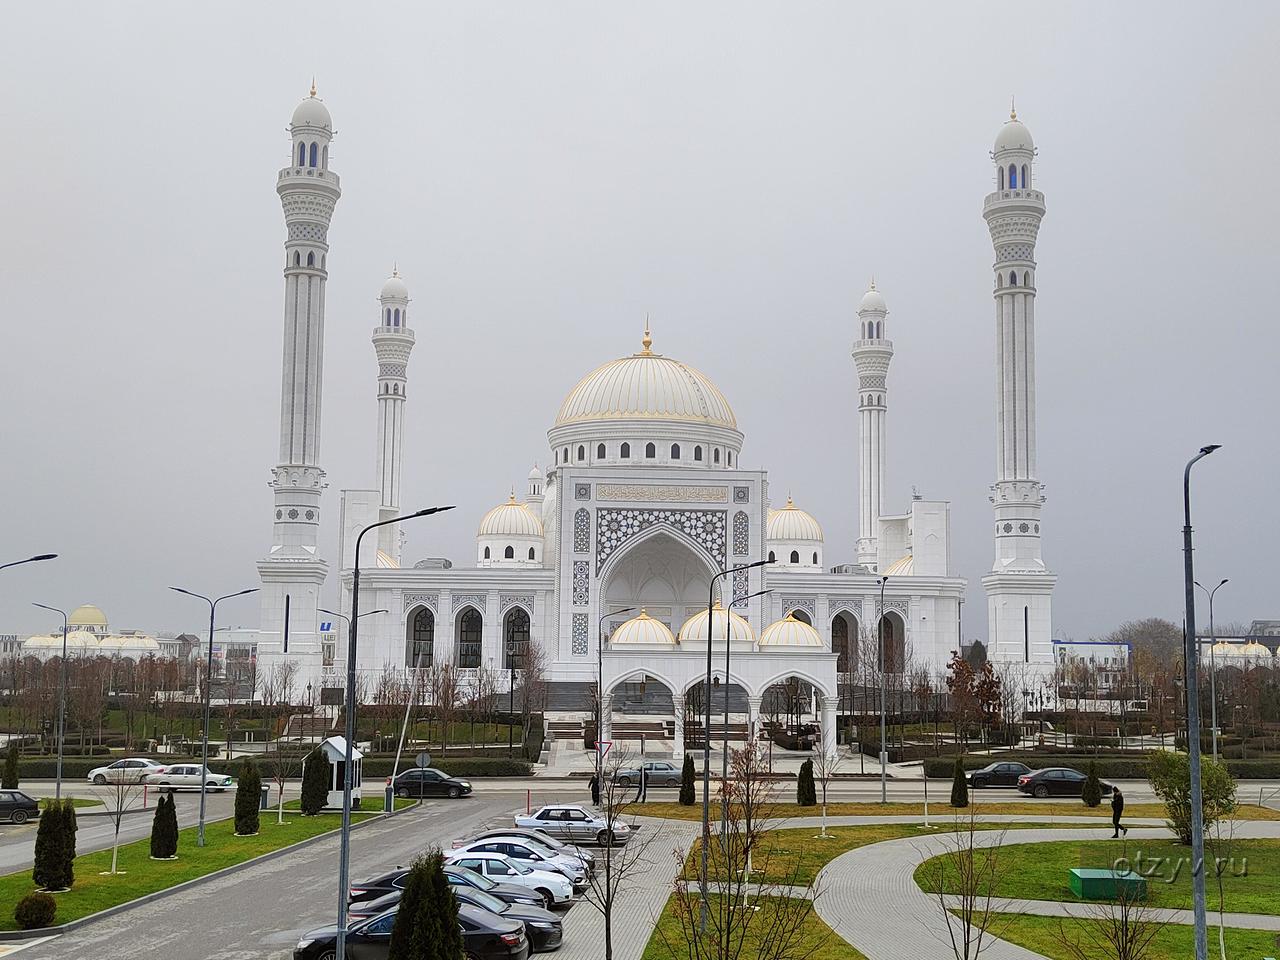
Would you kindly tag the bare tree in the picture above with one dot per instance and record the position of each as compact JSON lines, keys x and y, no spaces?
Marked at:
{"x":533,"y":685}
{"x":284,"y":762}
{"x":825,"y":766}
{"x":1119,"y":929}
{"x":119,"y":797}
{"x":972,"y":871}
{"x":446,"y":692}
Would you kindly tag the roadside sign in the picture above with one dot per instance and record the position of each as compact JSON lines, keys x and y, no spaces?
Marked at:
{"x":603,"y":746}
{"x":423,"y":759}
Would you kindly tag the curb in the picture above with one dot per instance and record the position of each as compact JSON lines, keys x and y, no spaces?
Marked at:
{"x":11,"y":935}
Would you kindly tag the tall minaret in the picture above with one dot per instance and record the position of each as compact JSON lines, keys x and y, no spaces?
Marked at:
{"x":308,"y":191}
{"x":393,"y":341}
{"x":1019,"y":586}
{"x":872,"y":352}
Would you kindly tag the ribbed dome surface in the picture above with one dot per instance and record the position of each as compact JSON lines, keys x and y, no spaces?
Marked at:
{"x":903,"y":567}
{"x":1240,"y":651}
{"x":790,"y":632}
{"x":646,"y":386}
{"x":792,"y":523}
{"x":87,"y":616}
{"x":510,"y":519}
{"x":695,"y":628}
{"x":642,"y":629}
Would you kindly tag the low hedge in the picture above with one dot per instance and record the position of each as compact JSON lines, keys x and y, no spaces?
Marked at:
{"x":454,"y":766}
{"x":1109,"y":768}
{"x":46,"y":768}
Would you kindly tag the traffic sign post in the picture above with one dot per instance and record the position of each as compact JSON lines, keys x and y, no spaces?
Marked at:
{"x":423,"y":760}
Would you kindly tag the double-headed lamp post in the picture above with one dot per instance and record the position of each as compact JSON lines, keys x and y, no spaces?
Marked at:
{"x":62,"y":692}
{"x":884,"y":789}
{"x":706,"y":733}
{"x":1213,"y":669}
{"x":1193,"y":717}
{"x":600,"y":686}
{"x":724,"y":747}
{"x":208,"y":692}
{"x":353,"y":622}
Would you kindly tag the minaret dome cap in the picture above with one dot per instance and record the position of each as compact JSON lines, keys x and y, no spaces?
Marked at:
{"x":1014,"y":135}
{"x":312,"y":112}
{"x":394,"y":289}
{"x":872,"y":302}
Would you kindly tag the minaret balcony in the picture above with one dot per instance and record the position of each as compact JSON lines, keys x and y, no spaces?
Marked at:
{"x":1014,"y":197}
{"x":294,"y":174}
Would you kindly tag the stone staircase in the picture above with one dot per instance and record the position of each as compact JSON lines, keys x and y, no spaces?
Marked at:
{"x":307,"y":726}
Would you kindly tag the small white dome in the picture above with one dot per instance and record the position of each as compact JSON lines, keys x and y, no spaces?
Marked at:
{"x":790,"y":632}
{"x":312,"y":112}
{"x":643,"y":630}
{"x":394,"y":289}
{"x":695,"y":628}
{"x":535,"y":473}
{"x":510,"y":519}
{"x":1240,"y":651}
{"x":1014,"y":135}
{"x":872,"y":302}
{"x":792,"y":523}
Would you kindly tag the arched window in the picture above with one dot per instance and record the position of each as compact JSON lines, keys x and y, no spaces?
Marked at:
{"x":566,"y":454}
{"x":802,"y":616}
{"x":531,"y":553}
{"x":772,"y":558}
{"x":697,"y":453}
{"x":675,"y":451}
{"x":311,"y":259}
{"x":557,"y":456}
{"x":302,"y":154}
{"x":729,"y":454}
{"x":315,"y":154}
{"x":650,"y":451}
{"x":396,"y":316}
{"x":1026,"y":181}
{"x":297,"y":259}
{"x":487,"y":554}
{"x":1013,"y":279}
{"x":795,"y":556}
{"x":1026,"y":278}
{"x":1002,"y":178}
{"x":1013,"y":177}
{"x":999,"y":281}
{"x":515,"y":634}
{"x":815,"y":558}
{"x":893,"y":634}
{"x":624,"y":451}
{"x":844,"y":633}
{"x":388,"y":316}
{"x":324,"y":157}
{"x":715,"y":455}
{"x":582,"y":452}
{"x":876,"y":327}
{"x":509,"y":553}
{"x":421,"y":639}
{"x":470,"y":631}
{"x":600,"y":451}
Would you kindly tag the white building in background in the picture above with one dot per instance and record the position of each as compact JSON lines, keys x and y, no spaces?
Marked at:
{"x":89,"y":634}
{"x":1107,"y":663}
{"x":644,"y":501}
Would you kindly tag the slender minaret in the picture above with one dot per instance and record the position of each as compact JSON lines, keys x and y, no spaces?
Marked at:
{"x":872,"y":352}
{"x":393,"y":341}
{"x":1019,"y":586}
{"x":308,"y":192}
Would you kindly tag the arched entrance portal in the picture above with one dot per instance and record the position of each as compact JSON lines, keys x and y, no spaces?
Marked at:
{"x":661,"y":574}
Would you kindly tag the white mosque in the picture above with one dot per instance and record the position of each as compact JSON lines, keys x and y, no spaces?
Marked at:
{"x":645,"y":509}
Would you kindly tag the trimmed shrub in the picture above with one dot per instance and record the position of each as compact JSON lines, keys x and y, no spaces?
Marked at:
{"x":45,"y":872}
{"x":67,"y":846}
{"x":688,"y":796}
{"x":10,"y":779}
{"x":1170,"y":776}
{"x":171,"y":827}
{"x":806,"y":792}
{"x":316,"y":775}
{"x":959,"y":786}
{"x":35,"y":911}
{"x":164,"y":829}
{"x":248,"y":798}
{"x":157,"y":830}
{"x":426,"y":926}
{"x":1091,"y":794}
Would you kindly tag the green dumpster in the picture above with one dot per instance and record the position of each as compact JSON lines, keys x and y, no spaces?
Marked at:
{"x":1094,"y":884}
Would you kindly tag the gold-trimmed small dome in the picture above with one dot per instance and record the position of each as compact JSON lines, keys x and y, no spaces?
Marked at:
{"x":510,"y":519}
{"x":902,"y":567}
{"x":643,"y":629}
{"x":790,"y":632}
{"x":1252,"y":650}
{"x":384,"y":561}
{"x":792,"y":523}
{"x":87,"y":615}
{"x":723,"y":621}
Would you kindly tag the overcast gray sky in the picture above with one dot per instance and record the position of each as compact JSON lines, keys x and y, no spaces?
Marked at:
{"x":545,"y":174}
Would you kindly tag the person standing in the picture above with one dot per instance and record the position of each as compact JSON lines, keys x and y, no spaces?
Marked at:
{"x":1117,"y":808}
{"x":595,"y":790}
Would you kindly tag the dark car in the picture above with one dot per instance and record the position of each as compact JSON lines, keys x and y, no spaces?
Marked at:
{"x":1056,"y":782}
{"x":430,"y":782}
{"x":1003,"y":773}
{"x":545,"y":929}
{"x":17,"y":807}
{"x":485,"y":936}
{"x":374,"y":887}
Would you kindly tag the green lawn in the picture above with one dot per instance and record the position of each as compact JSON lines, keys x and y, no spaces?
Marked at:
{"x":940,"y":809}
{"x":818,"y":940}
{"x":76,"y":802}
{"x":93,"y":891}
{"x":1174,"y":942}
{"x":369,"y":805}
{"x":1039,"y":871}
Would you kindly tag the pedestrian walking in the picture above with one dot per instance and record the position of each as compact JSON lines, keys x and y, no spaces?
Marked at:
{"x":595,"y":790}
{"x":1117,"y":808}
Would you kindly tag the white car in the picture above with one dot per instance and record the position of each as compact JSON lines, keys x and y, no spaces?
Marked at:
{"x":186,"y":776}
{"x":554,"y":887}
{"x":569,"y":821}
{"x":530,"y":853}
{"x":128,"y":770}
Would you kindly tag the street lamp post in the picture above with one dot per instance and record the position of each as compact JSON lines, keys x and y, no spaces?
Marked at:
{"x":62,"y":690}
{"x":1213,"y":670}
{"x":600,"y":686}
{"x":208,"y":693}
{"x":36,"y":559}
{"x":884,"y":783}
{"x":1193,"y":717}
{"x":724,"y":749}
{"x":344,"y":849}
{"x":706,"y":735}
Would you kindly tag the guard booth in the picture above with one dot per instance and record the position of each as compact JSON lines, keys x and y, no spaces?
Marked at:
{"x":335,"y":750}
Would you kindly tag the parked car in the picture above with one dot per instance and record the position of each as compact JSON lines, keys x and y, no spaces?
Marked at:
{"x":659,"y":773}
{"x":430,"y":782}
{"x":531,"y":853}
{"x":17,"y":807}
{"x":559,"y":846}
{"x":572,"y":822}
{"x":128,"y":770}
{"x":1057,"y":782}
{"x":1003,"y":773}
{"x":485,"y":936}
{"x":545,"y":929}
{"x":186,"y":776}
{"x":555,"y":887}
{"x":393,"y":880}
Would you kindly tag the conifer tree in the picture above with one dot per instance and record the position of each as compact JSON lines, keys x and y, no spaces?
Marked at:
{"x":806,"y":792}
{"x":426,"y":925}
{"x":959,"y":786}
{"x":159,"y":825}
{"x":67,"y":846}
{"x":48,"y":847}
{"x":687,"y":795}
{"x":248,"y":798}
{"x":171,"y":827}
{"x":10,"y":780}
{"x":316,"y":774}
{"x":1091,"y":794}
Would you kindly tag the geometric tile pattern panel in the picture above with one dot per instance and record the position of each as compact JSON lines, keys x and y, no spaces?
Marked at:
{"x":615,"y":527}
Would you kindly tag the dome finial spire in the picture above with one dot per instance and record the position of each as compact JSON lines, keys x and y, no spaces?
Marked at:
{"x":313,"y":85}
{"x":873,"y":281}
{"x":647,"y":341}
{"x":395,"y":268}
{"x":1013,"y":110}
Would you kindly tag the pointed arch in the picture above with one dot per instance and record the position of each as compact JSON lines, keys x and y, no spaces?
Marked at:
{"x":600,"y":451}
{"x":1002,"y":178}
{"x":515,"y":636}
{"x":315,"y":154}
{"x":1026,"y":181}
{"x":302,"y":154}
{"x":420,"y":637}
{"x":1013,"y":177}
{"x":468,"y":636}
{"x":624,"y":452}
{"x":675,"y":451}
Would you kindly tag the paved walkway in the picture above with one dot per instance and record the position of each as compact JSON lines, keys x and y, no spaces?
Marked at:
{"x":870,"y":897}
{"x":1079,"y":909}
